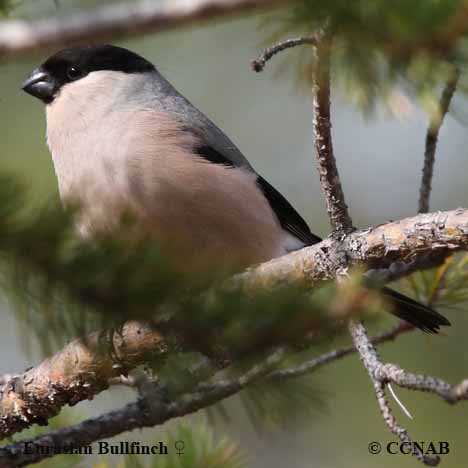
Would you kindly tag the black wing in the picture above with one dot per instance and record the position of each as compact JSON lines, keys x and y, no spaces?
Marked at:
{"x":288,"y":217}
{"x":419,"y":315}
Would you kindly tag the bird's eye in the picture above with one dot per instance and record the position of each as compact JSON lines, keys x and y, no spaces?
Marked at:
{"x":74,"y":73}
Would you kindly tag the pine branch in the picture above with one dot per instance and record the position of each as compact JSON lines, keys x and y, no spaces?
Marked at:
{"x":328,"y":171}
{"x":371,"y":361}
{"x":426,"y":236}
{"x":133,"y":416}
{"x":147,"y":414}
{"x":397,"y":429}
{"x":342,"y":224}
{"x":402,"y":269}
{"x":408,"y":238}
{"x":313,"y":364}
{"x":79,"y":371}
{"x":88,"y":366}
{"x":434,"y":234}
{"x":376,"y":241}
{"x":381,"y":374}
{"x":432,"y":136}
{"x":258,"y":64}
{"x":124,"y":20}
{"x":56,"y":383}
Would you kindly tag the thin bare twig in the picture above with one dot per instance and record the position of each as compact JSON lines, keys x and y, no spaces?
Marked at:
{"x":315,"y":363}
{"x":383,"y":374}
{"x":373,"y":365}
{"x":328,"y":171}
{"x":147,"y":414}
{"x":401,"y":269}
{"x":77,"y":372}
{"x":380,"y":374}
{"x":135,"y":415}
{"x":425,"y":383}
{"x":258,"y":64}
{"x":432,"y":136}
{"x":342,"y":225}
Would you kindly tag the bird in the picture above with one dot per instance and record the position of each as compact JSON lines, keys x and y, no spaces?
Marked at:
{"x":122,"y":137}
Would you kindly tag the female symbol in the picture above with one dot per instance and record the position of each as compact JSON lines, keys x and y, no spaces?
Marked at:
{"x":179,"y":446}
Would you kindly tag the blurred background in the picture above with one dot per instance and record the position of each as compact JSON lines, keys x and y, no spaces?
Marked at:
{"x":270,"y":119}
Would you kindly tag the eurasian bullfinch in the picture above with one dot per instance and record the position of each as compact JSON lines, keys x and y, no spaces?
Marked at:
{"x":122,"y":137}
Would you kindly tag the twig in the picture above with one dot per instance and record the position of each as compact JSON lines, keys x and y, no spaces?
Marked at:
{"x":425,"y":383}
{"x":401,"y":269}
{"x":133,"y":416}
{"x":315,"y":363}
{"x":372,"y":363}
{"x":384,"y":374}
{"x":259,"y":63}
{"x":141,"y":414}
{"x":427,"y":236}
{"x":70,"y":379}
{"x":230,"y":384}
{"x":431,"y":140}
{"x":80,"y":370}
{"x":342,"y":226}
{"x":407,"y":239}
{"x":397,"y":429}
{"x":113,"y":21}
{"x":328,"y":171}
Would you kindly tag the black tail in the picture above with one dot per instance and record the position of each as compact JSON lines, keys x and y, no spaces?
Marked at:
{"x":419,"y":315}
